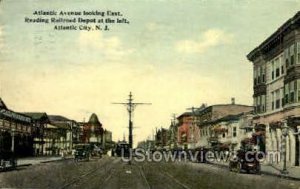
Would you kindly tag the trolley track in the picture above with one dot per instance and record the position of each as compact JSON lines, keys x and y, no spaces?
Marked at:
{"x":103,"y":169}
{"x":127,"y":176}
{"x":157,"y":177}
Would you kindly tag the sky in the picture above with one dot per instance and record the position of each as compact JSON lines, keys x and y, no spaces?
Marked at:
{"x":174,"y":54}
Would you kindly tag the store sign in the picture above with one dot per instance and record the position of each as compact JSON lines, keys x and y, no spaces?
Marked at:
{"x":14,"y":115}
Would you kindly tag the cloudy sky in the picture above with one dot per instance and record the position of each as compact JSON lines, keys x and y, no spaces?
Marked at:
{"x":174,"y":54}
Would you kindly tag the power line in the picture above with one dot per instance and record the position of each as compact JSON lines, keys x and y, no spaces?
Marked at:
{"x":130,"y":105}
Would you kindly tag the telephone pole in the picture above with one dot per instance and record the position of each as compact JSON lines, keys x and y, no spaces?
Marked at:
{"x":130,"y":105}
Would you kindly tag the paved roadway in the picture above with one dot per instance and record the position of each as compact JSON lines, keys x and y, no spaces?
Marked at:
{"x":110,"y":173}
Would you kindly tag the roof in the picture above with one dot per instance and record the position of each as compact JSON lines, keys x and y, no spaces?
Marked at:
{"x":210,"y":108}
{"x":57,"y":118}
{"x":62,"y":125}
{"x":2,"y":104}
{"x":94,"y":120}
{"x":280,"y":31}
{"x":36,"y":115}
{"x":185,"y":114}
{"x":230,"y":118}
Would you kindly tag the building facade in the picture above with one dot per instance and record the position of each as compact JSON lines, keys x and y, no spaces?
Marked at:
{"x":185,"y":122}
{"x":276,"y":86}
{"x":93,"y":131}
{"x":39,"y":121}
{"x":16,"y":131}
{"x":231,"y":132}
{"x":69,"y":130}
{"x":209,"y":116}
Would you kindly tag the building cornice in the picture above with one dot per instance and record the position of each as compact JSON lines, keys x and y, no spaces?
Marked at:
{"x":277,"y":35}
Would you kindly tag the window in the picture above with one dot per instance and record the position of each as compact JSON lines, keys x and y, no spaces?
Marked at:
{"x":298,"y":52}
{"x":234,"y":132}
{"x":277,"y":103}
{"x":281,"y":64}
{"x":255,"y":75}
{"x":286,"y":57}
{"x":263,"y":70}
{"x":223,"y":135}
{"x":277,"y":67}
{"x":292,"y":52}
{"x":282,"y":96}
{"x":292,"y":92}
{"x":298,"y":88}
{"x":286,"y":93}
{"x":263,"y":102}
{"x":273,"y":67}
{"x":258,"y":75}
{"x":273,"y":98}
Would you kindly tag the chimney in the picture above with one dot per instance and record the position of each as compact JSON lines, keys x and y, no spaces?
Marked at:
{"x":232,"y":100}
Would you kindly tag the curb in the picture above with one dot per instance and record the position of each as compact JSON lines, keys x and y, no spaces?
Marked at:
{"x":288,"y":177}
{"x":49,"y":161}
{"x":42,"y":162}
{"x":25,"y":165}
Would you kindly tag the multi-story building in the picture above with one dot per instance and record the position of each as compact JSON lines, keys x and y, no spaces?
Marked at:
{"x":93,"y":131}
{"x":70,"y":127}
{"x":107,"y":142}
{"x":208,"y":115}
{"x":185,"y":121}
{"x":276,"y":79}
{"x":229,"y":131}
{"x":16,"y":132}
{"x":40,"y":120}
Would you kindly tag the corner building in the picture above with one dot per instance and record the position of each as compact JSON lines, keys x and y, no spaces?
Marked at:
{"x":276,"y":89}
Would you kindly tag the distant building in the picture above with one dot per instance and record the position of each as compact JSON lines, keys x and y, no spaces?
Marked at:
{"x":276,"y":88}
{"x":93,"y":131}
{"x":71,"y":129}
{"x":229,"y":133}
{"x":107,"y":142}
{"x":172,"y":135}
{"x":208,"y":115}
{"x":40,"y":120}
{"x":184,"y":124}
{"x":161,"y":138}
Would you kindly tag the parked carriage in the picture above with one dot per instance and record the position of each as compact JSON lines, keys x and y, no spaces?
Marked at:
{"x":245,"y":161}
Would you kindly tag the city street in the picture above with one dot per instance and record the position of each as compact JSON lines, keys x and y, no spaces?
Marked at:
{"x":111,"y":172}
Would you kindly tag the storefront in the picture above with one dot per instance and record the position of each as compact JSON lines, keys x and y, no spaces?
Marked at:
{"x":15,"y":132}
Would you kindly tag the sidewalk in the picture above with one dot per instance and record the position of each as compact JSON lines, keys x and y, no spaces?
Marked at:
{"x":273,"y":170}
{"x":37,"y":160}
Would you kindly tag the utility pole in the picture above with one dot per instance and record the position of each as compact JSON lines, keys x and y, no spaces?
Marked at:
{"x":130,"y":105}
